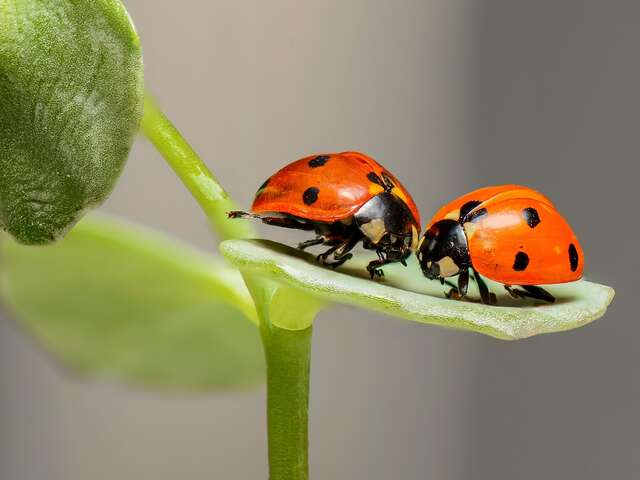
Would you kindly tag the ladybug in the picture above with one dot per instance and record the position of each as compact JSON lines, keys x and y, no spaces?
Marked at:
{"x":344,"y":198}
{"x":508,"y":233}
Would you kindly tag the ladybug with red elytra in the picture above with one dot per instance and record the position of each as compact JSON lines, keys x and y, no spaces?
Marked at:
{"x":508,"y":233}
{"x":345,"y":198}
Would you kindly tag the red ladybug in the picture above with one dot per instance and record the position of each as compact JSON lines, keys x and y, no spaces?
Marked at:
{"x":345,"y":198}
{"x":508,"y":233}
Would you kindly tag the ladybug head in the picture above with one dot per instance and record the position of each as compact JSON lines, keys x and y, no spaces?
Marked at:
{"x":443,"y":250}
{"x":386,"y":222}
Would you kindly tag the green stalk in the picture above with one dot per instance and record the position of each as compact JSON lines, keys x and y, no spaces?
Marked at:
{"x":288,"y":355}
{"x":287,"y":352}
{"x":195,"y":175}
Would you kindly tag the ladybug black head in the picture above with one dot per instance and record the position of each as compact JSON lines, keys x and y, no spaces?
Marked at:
{"x":443,"y":251}
{"x":386,"y":221}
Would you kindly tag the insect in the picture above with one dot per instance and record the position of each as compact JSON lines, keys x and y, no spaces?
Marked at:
{"x":508,"y":233}
{"x":344,"y":198}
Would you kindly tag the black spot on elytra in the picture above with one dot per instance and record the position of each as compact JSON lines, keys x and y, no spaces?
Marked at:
{"x":573,"y":257}
{"x":476,"y":215}
{"x":318,"y":161}
{"x":467,"y":207}
{"x":521,"y":262}
{"x":374,"y":178}
{"x":310,"y":195}
{"x":531,"y":216}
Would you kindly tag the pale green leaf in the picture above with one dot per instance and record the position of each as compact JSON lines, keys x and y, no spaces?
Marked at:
{"x":71,"y":96}
{"x":405,"y":293}
{"x":122,"y":302}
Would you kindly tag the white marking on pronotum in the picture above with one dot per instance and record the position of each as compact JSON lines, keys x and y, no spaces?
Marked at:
{"x":448,"y":267}
{"x":374,"y":230}
{"x":414,"y":237}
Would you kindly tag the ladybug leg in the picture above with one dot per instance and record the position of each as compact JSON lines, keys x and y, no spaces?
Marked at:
{"x":341,"y":252}
{"x":386,"y":254}
{"x":487,"y":297}
{"x":322,"y":258}
{"x":278,"y":221}
{"x":448,"y":283}
{"x":310,"y":243}
{"x":512,"y":292}
{"x":373,"y":269}
{"x":374,"y":266}
{"x":340,"y":261}
{"x":530,"y":291}
{"x":238,"y":214}
{"x":463,"y":283}
{"x":539,"y":293}
{"x":457,"y":292}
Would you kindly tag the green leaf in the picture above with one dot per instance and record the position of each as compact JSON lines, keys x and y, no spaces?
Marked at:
{"x":118,"y":301}
{"x":405,"y":293}
{"x":71,"y":96}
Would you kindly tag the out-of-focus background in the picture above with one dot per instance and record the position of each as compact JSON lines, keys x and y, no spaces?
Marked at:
{"x":450,"y":95}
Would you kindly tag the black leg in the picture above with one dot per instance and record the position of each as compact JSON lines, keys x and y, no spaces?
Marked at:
{"x":339,"y":261}
{"x":457,"y":292}
{"x":284,"y":221}
{"x":374,"y":266}
{"x":339,"y":252}
{"x":530,"y":291}
{"x":342,"y":253}
{"x":386,"y":255}
{"x":310,"y":243}
{"x":453,"y":291}
{"x":239,"y":214}
{"x":322,"y":258}
{"x":486,"y":297}
{"x":447,"y":282}
{"x":463,"y":282}
{"x":539,"y":293}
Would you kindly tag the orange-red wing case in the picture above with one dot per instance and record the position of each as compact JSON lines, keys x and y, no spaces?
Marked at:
{"x":523,"y":241}
{"x":326,"y":187}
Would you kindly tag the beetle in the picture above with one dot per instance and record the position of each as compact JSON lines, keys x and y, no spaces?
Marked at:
{"x":344,"y":198}
{"x":509,"y":233}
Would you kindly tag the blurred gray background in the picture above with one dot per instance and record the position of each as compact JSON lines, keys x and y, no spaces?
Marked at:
{"x":450,"y":95}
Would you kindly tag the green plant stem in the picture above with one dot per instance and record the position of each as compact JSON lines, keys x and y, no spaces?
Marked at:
{"x":195,"y":175}
{"x":287,"y":352}
{"x":288,"y":355}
